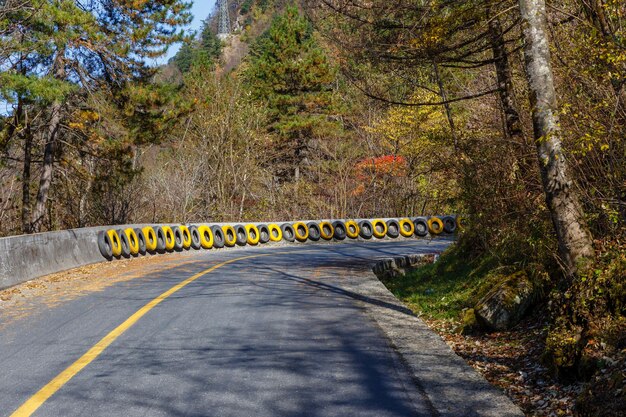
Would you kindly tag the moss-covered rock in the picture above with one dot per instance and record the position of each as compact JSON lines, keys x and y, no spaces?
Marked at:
{"x":505,"y":305}
{"x":469,"y":324}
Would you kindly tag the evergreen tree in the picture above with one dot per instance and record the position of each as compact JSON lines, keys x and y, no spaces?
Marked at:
{"x":204,"y":51}
{"x":291,"y":74}
{"x":54,"y":48}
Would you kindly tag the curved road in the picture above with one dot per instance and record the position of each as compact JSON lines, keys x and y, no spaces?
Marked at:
{"x":301,"y":330}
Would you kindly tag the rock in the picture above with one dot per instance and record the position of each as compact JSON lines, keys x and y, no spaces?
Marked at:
{"x":469,"y":324}
{"x":400,"y":265}
{"x":506,"y":303}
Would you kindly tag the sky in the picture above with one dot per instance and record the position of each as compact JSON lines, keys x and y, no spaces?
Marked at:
{"x":200,"y":11}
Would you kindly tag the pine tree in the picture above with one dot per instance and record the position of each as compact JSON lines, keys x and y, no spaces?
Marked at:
{"x":289,"y":72}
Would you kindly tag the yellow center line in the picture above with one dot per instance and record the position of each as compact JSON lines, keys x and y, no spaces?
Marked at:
{"x":34,"y":402}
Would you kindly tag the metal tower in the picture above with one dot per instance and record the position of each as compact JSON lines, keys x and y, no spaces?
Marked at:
{"x":223,"y":22}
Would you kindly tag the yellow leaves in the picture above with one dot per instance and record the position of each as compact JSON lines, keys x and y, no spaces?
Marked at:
{"x":411,"y":129}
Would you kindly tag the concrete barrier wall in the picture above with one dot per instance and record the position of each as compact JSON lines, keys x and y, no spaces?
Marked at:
{"x":26,"y":257}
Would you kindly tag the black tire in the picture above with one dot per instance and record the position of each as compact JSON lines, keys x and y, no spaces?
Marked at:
{"x":421,"y":226}
{"x":264,"y":233}
{"x":314,"y":231}
{"x":393,"y":228}
{"x":141,"y":239}
{"x":449,"y":224}
{"x":161,"y":239}
{"x":288,"y":233}
{"x":195,"y":237}
{"x":218,"y":237}
{"x":242,"y":234}
{"x":124,"y":243}
{"x":104,"y":244}
{"x":366,"y":229}
{"x":178,"y":238}
{"x":340,"y":230}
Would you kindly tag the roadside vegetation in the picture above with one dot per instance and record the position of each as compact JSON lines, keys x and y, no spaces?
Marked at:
{"x":510,"y":112}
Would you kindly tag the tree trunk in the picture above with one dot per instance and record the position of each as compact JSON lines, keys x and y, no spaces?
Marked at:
{"x":573,"y":237}
{"x":49,"y":149}
{"x":28,"y":152}
{"x":47,"y":167}
{"x":512,"y":123}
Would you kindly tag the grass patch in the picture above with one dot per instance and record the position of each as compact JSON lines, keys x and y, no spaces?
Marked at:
{"x":443,"y":289}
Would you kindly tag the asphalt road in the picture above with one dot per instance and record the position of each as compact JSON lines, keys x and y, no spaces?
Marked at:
{"x":272,"y":335}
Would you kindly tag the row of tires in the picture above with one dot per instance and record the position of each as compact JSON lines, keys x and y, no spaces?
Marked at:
{"x":115,"y":243}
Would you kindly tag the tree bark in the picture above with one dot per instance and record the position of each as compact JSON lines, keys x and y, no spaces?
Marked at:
{"x":512,"y":123}
{"x":562,"y":200}
{"x":28,"y":151}
{"x":48,"y":154}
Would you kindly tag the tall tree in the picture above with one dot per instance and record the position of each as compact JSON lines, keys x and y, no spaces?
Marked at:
{"x":289,"y":71}
{"x":561,"y":196}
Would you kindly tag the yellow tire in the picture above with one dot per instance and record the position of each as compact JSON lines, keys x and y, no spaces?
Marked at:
{"x":326,"y":230}
{"x":379,"y":228}
{"x":301,"y":231}
{"x":276,"y":234}
{"x":133,"y":241}
{"x":206,"y":237}
{"x":435,"y":225}
{"x":116,"y":244}
{"x":230,"y":236}
{"x":151,"y":238}
{"x":253,"y":234}
{"x":170,"y":239}
{"x":461,"y":223}
{"x":186,"y":236}
{"x":352,"y":229}
{"x":407,"y":228}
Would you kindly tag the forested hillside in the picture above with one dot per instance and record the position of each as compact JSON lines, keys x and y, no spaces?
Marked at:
{"x":511,"y":112}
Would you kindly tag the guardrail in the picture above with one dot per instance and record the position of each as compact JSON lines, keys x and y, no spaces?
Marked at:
{"x":26,"y":257}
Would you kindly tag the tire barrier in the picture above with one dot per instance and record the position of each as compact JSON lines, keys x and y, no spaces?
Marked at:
{"x":288,"y":233}
{"x":393,"y":228}
{"x":104,"y":244}
{"x":314,"y":231}
{"x":379,"y":228}
{"x":178,"y":238}
{"x":435,"y":225}
{"x":253,"y":234}
{"x":195,"y":237}
{"x":276,"y":233}
{"x":127,"y":242}
{"x":301,"y":231}
{"x":151,"y":239}
{"x":230,"y":236}
{"x":141,"y":239}
{"x":206,"y":237}
{"x":340,"y":230}
{"x":124,"y":243}
{"x":366,"y":230}
{"x":449,"y":224}
{"x":186,"y":236}
{"x":421,"y":226}
{"x":461,"y":223}
{"x":218,"y":237}
{"x":242,"y":234}
{"x":352,"y":229}
{"x":161,"y":239}
{"x":326,"y":230}
{"x":170,"y":239}
{"x":406,"y":227}
{"x":264,"y":233}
